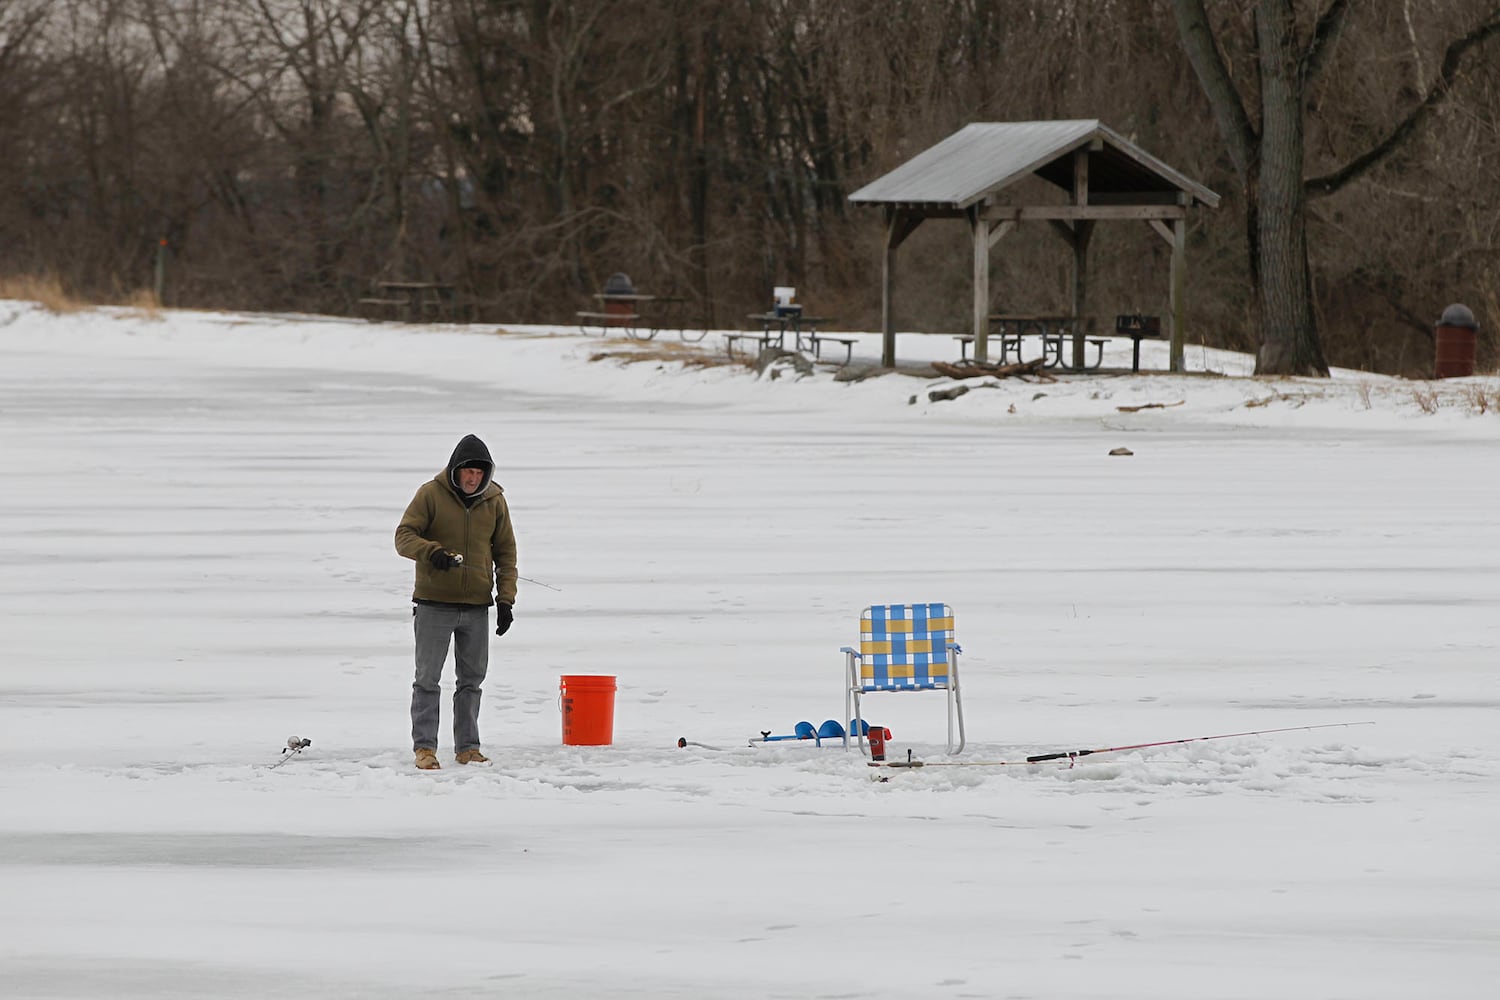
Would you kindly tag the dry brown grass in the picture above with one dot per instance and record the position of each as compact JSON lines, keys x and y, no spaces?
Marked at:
{"x":44,"y":289}
{"x":1292,"y":399}
{"x":47,"y":291}
{"x":1426,"y":399}
{"x":143,"y":304}
{"x":686,"y":354}
{"x":1479,"y":401}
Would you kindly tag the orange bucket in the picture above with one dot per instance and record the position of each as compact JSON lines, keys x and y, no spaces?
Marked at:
{"x":588,"y":709}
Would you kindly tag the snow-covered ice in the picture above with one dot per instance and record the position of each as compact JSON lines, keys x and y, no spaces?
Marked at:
{"x":197,"y":561}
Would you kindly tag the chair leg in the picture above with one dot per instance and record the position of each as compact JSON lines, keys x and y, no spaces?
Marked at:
{"x":955,"y":713}
{"x":853,"y":715}
{"x":848,"y":692}
{"x":955,"y":705}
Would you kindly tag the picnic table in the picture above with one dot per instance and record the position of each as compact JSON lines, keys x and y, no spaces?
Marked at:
{"x":640,"y":316}
{"x":1052,"y":333}
{"x":413,"y":301}
{"x":774,"y":326}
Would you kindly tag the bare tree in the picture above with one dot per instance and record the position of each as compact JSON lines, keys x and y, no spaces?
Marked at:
{"x":293,"y":151}
{"x":1262,"y":119}
{"x":22,"y":74}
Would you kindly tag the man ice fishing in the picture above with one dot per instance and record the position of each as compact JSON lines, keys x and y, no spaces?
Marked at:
{"x":458,"y":530}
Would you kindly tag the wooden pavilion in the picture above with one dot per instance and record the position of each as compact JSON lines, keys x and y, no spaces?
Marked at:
{"x":1103,"y":176}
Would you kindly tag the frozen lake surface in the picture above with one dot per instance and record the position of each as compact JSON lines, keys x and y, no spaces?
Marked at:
{"x":197,"y":563}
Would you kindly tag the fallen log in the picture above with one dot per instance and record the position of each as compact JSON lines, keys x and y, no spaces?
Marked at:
{"x":952,"y":392}
{"x":1148,"y":406}
{"x":975,"y":369}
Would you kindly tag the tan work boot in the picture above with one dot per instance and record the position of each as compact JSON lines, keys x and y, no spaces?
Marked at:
{"x":472,"y":757}
{"x":427,"y":759}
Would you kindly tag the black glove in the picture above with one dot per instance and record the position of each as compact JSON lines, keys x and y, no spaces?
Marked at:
{"x":443,"y":559}
{"x":503,"y":618}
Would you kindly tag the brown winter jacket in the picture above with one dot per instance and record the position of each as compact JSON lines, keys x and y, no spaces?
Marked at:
{"x":480,"y":531}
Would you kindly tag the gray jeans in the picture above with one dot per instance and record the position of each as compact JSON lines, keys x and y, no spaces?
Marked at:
{"x":469,"y":630}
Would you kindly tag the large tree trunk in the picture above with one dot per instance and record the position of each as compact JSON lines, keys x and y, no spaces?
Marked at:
{"x":1289,"y":332}
{"x":1268,"y":160}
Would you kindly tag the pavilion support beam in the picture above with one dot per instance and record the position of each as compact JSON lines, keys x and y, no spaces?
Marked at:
{"x":979,"y":230}
{"x":1026,"y":213}
{"x":1138,"y":198}
{"x":898,"y":226}
{"x":1083,"y":234}
{"x":1175,"y":233}
{"x":1179,"y":293}
{"x":887,"y":318}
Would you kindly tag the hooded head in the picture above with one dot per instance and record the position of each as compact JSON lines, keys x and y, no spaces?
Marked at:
{"x":470,"y":454}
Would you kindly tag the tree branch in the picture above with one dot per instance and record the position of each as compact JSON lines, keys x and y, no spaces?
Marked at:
{"x":17,"y":32}
{"x":1328,"y":184}
{"x":1324,"y":34}
{"x":1223,"y":97}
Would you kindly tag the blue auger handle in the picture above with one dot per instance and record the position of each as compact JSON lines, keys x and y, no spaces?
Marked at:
{"x":802,"y":731}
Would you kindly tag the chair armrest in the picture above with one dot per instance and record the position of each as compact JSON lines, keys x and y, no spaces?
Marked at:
{"x":851,"y":652}
{"x":955,"y":647}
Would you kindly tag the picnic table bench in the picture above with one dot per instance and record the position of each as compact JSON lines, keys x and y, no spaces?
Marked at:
{"x":604,"y":320}
{"x":765,"y":340}
{"x":847,"y":343}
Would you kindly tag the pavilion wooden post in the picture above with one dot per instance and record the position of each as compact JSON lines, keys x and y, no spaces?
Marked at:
{"x":887,"y":288}
{"x":980,"y":229}
{"x":898,"y":226}
{"x":1179,"y":293}
{"x":1175,"y":233}
{"x":1083,"y":232}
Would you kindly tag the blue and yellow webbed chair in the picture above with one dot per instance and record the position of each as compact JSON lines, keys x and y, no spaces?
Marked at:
{"x":904,"y":647}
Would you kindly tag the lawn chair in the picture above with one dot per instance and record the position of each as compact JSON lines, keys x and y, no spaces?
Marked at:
{"x":903,"y":647}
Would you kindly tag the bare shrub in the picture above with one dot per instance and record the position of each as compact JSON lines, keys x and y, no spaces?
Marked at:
{"x":1479,"y":401}
{"x":1296,"y":400}
{"x":46,"y":290}
{"x":143,"y":304}
{"x":685,"y":354}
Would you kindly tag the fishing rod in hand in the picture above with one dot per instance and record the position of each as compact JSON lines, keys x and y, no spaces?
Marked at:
{"x":458,"y":560}
{"x":1072,"y":755}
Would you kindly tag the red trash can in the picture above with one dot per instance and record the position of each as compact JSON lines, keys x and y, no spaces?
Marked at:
{"x":1455,"y":342}
{"x":619,"y":301}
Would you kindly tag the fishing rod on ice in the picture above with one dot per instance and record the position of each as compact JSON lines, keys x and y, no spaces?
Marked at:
{"x":683,"y":741}
{"x":1071,"y":756}
{"x":294,"y":746}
